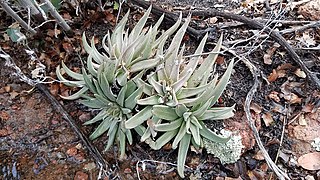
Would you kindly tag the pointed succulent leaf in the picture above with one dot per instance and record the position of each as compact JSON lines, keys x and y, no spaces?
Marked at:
{"x":169,"y":32}
{"x":88,"y":82}
{"x":103,"y":127}
{"x":93,"y":103}
{"x":146,"y":64}
{"x":164,"y":139}
{"x":85,"y":43}
{"x":122,"y":77}
{"x":122,"y":143}
{"x":74,"y":75}
{"x":140,"y":129}
{"x":218,"y":113}
{"x":120,"y":98}
{"x":112,"y":135}
{"x":156,"y":85}
{"x":189,"y":92}
{"x":207,"y":94}
{"x":140,"y":25}
{"x":195,"y":131}
{"x":101,"y":115}
{"x":182,"y":132}
{"x":181,"y":109}
{"x":152,"y":100}
{"x":75,"y":95}
{"x":207,"y":133}
{"x":195,"y":122}
{"x":90,"y":66}
{"x":174,"y":46}
{"x":164,"y":127}
{"x":105,"y":87}
{"x":96,"y":55}
{"x":193,"y":62}
{"x":206,"y":66}
{"x":139,"y":118}
{"x":147,"y":89}
{"x":67,"y":82}
{"x":105,"y":47}
{"x":131,"y":101}
{"x":174,"y":74}
{"x":182,"y":81}
{"x":182,"y":154}
{"x":222,"y":84}
{"x":102,"y":100}
{"x":203,"y":107}
{"x":164,"y":112}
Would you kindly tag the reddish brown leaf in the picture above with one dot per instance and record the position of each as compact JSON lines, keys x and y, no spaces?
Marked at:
{"x":310,"y":161}
{"x":267,"y":119}
{"x":273,"y":76}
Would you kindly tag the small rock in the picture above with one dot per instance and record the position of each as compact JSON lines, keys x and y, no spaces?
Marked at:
{"x":81,"y":176}
{"x":89,"y":166}
{"x":3,"y":132}
{"x":72,"y":151}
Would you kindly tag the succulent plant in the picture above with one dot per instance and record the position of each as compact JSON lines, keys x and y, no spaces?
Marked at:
{"x":159,"y":92}
{"x":181,"y":96}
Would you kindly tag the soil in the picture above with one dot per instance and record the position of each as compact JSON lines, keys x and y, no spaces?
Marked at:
{"x":37,"y":143}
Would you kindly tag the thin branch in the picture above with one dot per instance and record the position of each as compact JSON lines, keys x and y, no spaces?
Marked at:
{"x":56,"y":15}
{"x":14,"y":15}
{"x":248,"y":100}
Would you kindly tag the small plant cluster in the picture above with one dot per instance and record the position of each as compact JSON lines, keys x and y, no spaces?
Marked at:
{"x":139,"y":85}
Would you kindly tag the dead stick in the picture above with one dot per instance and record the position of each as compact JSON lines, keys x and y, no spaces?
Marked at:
{"x":57,"y":106}
{"x":248,"y":100}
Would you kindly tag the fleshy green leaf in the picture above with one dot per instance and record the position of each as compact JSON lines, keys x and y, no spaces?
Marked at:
{"x":207,"y":133}
{"x":182,"y":154}
{"x":112,"y":135}
{"x":206,"y":67}
{"x":72,"y":74}
{"x":131,"y":101}
{"x":189,"y":92}
{"x":180,"y":135}
{"x":164,"y":139}
{"x":218,"y":113}
{"x":120,"y":98}
{"x":101,"y":115}
{"x":152,"y":100}
{"x":139,"y":118}
{"x":164,"y":127}
{"x":164,"y":112}
{"x":75,"y":95}
{"x":180,"y":109}
{"x":103,"y":127}
{"x":222,"y":84}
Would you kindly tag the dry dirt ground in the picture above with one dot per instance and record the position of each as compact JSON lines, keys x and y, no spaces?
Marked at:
{"x":36,"y":142}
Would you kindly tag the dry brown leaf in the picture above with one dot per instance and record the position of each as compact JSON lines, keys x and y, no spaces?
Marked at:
{"x":273,"y":76}
{"x":307,"y":40}
{"x":310,"y":10}
{"x":267,"y":119}
{"x":274,"y":96}
{"x":285,"y":66}
{"x":302,"y":121}
{"x":310,"y":161}
{"x":67,"y":47}
{"x":300,"y":73}
{"x":259,"y":156}
{"x":267,"y":58}
{"x":256,"y":108}
{"x":292,"y":98}
{"x":213,"y":20}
